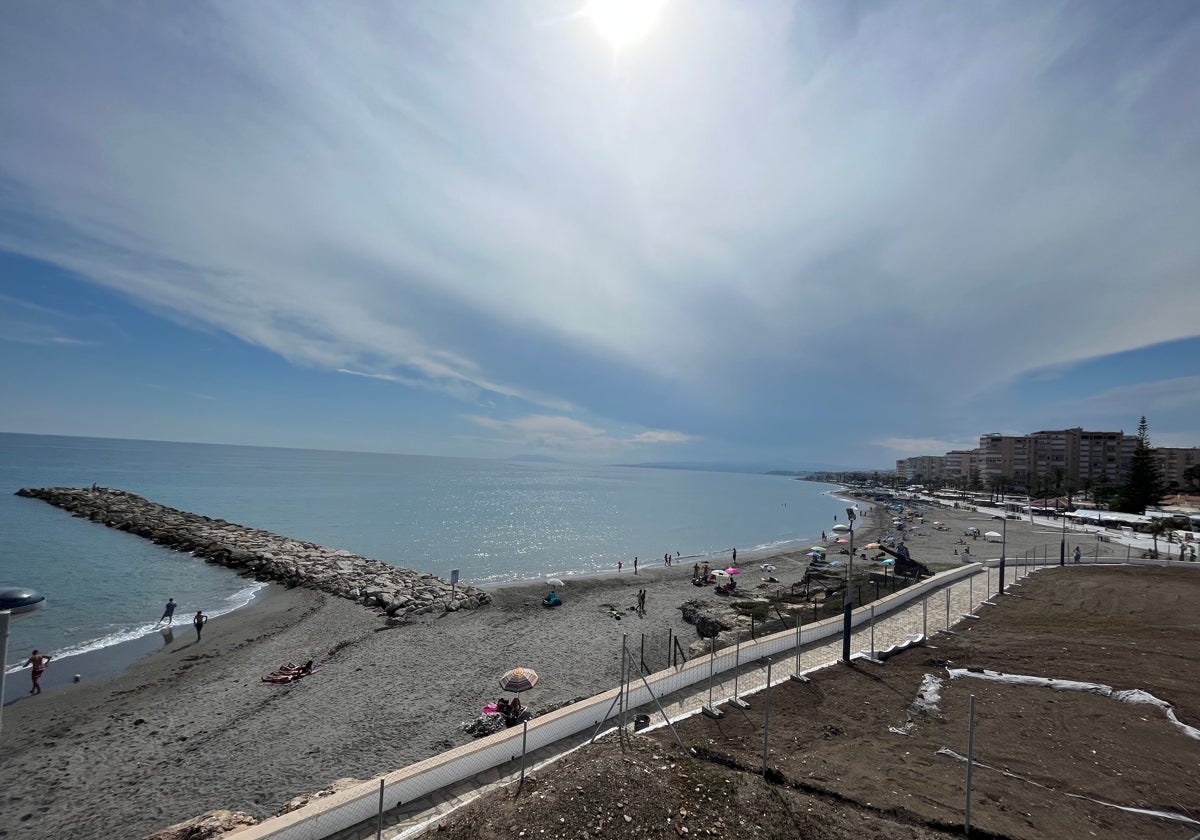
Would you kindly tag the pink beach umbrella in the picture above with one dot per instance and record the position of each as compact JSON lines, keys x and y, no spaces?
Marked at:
{"x":733,"y":571}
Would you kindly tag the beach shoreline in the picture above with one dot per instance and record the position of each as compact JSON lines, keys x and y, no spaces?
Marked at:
{"x":382,"y":699}
{"x":111,"y":660}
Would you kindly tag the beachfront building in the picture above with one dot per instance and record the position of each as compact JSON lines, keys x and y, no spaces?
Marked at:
{"x":961,"y":467}
{"x":1071,"y":459}
{"x":1004,"y":460}
{"x":1053,"y":461}
{"x":925,"y":469}
{"x":1173,"y":462}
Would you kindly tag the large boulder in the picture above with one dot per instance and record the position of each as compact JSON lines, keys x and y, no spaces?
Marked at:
{"x":304,"y":799}
{"x":709,"y":621}
{"x":207,"y":826}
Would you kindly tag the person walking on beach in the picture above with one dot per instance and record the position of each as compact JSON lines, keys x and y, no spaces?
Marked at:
{"x":38,"y":660}
{"x":168,"y":612}
{"x":1076,"y":554}
{"x":735,"y":556}
{"x":619,"y":565}
{"x":641,"y":602}
{"x":198,"y":622}
{"x":635,"y":565}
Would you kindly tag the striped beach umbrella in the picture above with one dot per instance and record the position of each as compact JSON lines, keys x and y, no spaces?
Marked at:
{"x":518,"y":680}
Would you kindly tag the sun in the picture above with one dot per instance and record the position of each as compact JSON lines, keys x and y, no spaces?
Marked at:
{"x":621,"y":22}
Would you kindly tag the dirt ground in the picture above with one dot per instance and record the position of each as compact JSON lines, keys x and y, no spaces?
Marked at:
{"x":1049,"y":762}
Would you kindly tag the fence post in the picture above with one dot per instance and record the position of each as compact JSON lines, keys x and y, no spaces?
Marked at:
{"x":710,"y":710}
{"x":925,"y":617}
{"x":737,"y":670}
{"x":947,"y":607}
{"x":970,"y":762}
{"x":525,"y":735}
{"x":971,"y":593}
{"x":620,"y":698}
{"x":872,"y":631}
{"x":767,"y":717}
{"x":799,"y":641}
{"x":379,"y":829}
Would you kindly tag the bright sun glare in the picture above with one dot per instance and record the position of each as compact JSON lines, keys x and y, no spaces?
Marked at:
{"x":622,"y":22}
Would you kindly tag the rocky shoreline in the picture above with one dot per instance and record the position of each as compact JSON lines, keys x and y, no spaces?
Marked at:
{"x":398,"y":593}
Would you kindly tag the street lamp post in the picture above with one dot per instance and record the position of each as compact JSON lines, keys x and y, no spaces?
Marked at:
{"x":1062,"y":545}
{"x":1003,"y":544}
{"x":15,"y":604}
{"x":849,"y":599}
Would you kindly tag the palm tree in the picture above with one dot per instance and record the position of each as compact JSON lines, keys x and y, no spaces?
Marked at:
{"x":1159,"y":525}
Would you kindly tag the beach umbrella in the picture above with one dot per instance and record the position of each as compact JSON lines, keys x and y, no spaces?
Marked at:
{"x":719,"y":573}
{"x":554,"y":582}
{"x":518,"y":680}
{"x":820,"y":549}
{"x":733,"y":571}
{"x":992,"y":535}
{"x":842,"y":541}
{"x":871,"y":545}
{"x":768,"y":567}
{"x":891,"y":561}
{"x":841,"y":529}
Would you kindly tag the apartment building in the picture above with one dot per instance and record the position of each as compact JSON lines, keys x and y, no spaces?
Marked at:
{"x":1005,"y":455}
{"x":960,"y":464}
{"x":1083,"y":458}
{"x":1173,"y":461}
{"x":924,"y":469}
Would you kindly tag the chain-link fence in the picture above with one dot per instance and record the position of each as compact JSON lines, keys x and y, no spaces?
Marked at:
{"x":397,"y":804}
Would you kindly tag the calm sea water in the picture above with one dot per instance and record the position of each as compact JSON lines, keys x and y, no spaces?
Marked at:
{"x":495,"y":521}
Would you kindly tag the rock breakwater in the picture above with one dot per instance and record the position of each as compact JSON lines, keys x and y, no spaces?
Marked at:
{"x":397,"y":593}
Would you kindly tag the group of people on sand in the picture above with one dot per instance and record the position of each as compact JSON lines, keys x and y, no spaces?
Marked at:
{"x":198,"y":620}
{"x":512,"y":711}
{"x":289,"y":673}
{"x":38,"y":660}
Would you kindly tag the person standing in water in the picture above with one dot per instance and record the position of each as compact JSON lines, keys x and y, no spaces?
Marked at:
{"x":168,"y":612}
{"x":38,"y":660}
{"x":198,"y":622}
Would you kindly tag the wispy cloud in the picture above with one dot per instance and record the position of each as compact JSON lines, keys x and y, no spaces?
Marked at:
{"x":566,"y":434}
{"x":1131,"y":401}
{"x":24,"y":322}
{"x":481,"y":205}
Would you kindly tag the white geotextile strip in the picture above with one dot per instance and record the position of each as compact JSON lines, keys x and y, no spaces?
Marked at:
{"x":1125,"y":696}
{"x":1166,"y":815}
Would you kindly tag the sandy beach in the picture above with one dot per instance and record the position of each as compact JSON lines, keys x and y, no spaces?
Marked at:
{"x":192,"y":727}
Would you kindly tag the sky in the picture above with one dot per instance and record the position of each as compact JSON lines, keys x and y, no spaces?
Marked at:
{"x":778,"y":233}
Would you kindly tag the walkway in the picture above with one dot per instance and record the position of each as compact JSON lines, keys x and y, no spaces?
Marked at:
{"x":940,"y":610}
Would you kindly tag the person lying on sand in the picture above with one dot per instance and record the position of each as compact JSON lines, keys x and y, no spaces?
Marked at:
{"x":296,"y":669}
{"x":289,"y":673}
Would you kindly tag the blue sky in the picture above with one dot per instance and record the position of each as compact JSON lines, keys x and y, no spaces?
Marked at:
{"x":767,"y":232}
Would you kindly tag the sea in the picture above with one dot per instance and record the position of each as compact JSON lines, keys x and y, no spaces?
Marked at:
{"x":493,"y":521}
